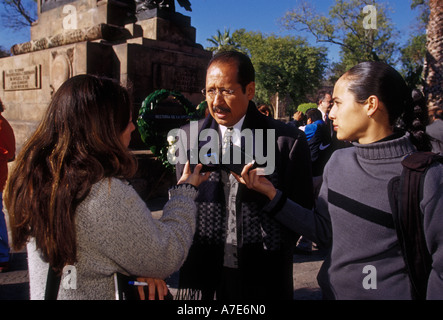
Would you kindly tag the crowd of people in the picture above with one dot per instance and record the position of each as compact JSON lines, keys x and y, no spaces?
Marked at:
{"x":230,"y":235}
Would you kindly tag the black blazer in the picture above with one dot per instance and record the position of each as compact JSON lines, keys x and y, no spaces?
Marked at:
{"x":269,"y":258}
{"x":293,"y":172}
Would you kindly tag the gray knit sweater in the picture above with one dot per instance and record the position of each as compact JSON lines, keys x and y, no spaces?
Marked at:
{"x":116,"y":233}
{"x":355,"y":182}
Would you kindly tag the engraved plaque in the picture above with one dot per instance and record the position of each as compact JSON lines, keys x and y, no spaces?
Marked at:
{"x":180,"y":79}
{"x":28,"y":78}
{"x":51,"y":4}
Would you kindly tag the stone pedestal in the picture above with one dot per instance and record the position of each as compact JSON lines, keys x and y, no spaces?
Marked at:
{"x":157,"y":51}
{"x":103,"y":37}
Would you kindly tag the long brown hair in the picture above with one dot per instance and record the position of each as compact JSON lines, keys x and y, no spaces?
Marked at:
{"x":76,"y":145}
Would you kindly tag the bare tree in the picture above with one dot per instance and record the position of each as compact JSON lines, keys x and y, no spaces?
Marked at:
{"x":18,"y":13}
{"x":4,"y":52}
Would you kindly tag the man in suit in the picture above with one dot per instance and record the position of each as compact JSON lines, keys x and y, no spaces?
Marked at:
{"x":238,"y":251}
{"x":324,"y":104}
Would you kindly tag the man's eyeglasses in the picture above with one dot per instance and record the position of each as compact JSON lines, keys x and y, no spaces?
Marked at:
{"x":212,"y":93}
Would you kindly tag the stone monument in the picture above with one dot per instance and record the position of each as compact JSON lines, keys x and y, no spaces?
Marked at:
{"x":145,"y":48}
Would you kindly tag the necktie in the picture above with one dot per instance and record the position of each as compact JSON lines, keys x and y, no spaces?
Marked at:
{"x":227,"y":139}
{"x":226,"y":143}
{"x":230,"y":254}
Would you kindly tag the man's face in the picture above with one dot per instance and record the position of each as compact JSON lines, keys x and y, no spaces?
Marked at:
{"x":227,"y":109}
{"x":326,"y":103}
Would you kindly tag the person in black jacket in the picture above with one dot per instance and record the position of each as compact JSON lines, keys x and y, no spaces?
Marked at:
{"x":239,"y":253}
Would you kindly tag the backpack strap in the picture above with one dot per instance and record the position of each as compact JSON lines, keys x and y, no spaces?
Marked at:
{"x":406,"y":193}
{"x":52,"y":284}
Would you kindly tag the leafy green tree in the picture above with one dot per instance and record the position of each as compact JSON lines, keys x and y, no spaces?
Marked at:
{"x":414,"y":51}
{"x":287,"y":65}
{"x":345,"y":26}
{"x":222,"y":41}
{"x":423,"y":7}
{"x":306,"y":106}
{"x":412,"y":59}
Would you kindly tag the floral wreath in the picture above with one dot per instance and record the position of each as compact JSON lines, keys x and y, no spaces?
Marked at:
{"x":157,"y":141}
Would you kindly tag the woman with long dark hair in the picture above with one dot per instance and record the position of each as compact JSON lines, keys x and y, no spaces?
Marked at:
{"x":69,"y":202}
{"x":375,"y":110}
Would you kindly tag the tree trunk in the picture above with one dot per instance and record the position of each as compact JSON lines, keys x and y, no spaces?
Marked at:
{"x":433,"y":68}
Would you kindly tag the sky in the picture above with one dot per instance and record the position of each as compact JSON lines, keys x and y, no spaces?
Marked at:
{"x":209,"y":16}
